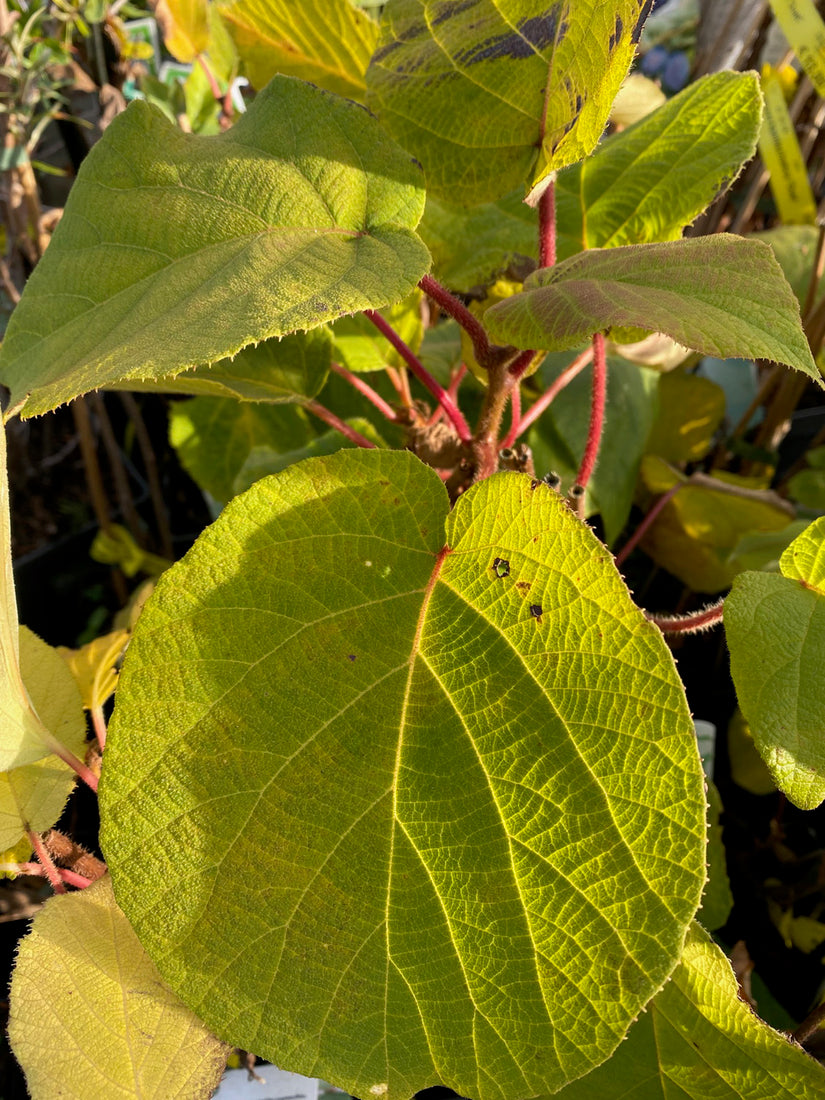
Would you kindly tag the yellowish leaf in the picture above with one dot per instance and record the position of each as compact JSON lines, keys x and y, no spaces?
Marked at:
{"x":93,"y":666}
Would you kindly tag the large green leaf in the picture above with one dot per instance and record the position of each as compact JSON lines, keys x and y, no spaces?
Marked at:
{"x":722,"y":295}
{"x":326,"y":41}
{"x":276,"y":371}
{"x":775,"y":626}
{"x":641,"y":185}
{"x":650,"y":181}
{"x":699,"y":1040}
{"x":559,"y":436}
{"x":445,"y":754}
{"x":490,"y":95}
{"x":177,"y":250}
{"x":91,"y":1018}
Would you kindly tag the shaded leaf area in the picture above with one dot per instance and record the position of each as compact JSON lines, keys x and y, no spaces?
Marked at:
{"x":775,"y":628}
{"x":214,"y":437}
{"x":490,"y":99}
{"x":33,"y":794}
{"x":300,"y":213}
{"x":650,"y":181}
{"x":697,"y":534}
{"x":264,"y":460}
{"x":697,"y":1039}
{"x":808,"y":486}
{"x":717,"y":900}
{"x":327,"y":42}
{"x":279,"y":371}
{"x":359,"y":346}
{"x":795,"y":249}
{"x":558,"y":438}
{"x":691,"y":409}
{"x":517,"y":856}
{"x":720,"y":295}
{"x":471,"y":246}
{"x":104,"y":1024}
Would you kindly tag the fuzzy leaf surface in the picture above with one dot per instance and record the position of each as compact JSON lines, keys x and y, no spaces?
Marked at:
{"x":697,"y":1040}
{"x":648,"y":182}
{"x":520,"y":848}
{"x":721,"y":295}
{"x":103,"y":1024}
{"x":276,"y":371}
{"x":327,"y":42}
{"x":490,"y":95}
{"x":775,"y":626}
{"x":303,"y":211}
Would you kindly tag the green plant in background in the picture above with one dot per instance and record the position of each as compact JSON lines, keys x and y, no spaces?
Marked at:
{"x":401,"y":786}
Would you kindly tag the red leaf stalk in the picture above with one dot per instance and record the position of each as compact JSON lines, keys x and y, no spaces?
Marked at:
{"x":597,"y":402}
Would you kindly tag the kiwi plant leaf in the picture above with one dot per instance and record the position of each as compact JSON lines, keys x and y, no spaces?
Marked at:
{"x":697,"y":532}
{"x":328,"y":42}
{"x":101,"y":983}
{"x":304,"y":211}
{"x":691,"y":408}
{"x":32,"y":795}
{"x":446,"y":755}
{"x":648,"y":182}
{"x":279,"y":371}
{"x":185,"y":27}
{"x":559,"y":436}
{"x":22,"y":739}
{"x":360,"y":347}
{"x":775,"y":626}
{"x":795,"y":249}
{"x":214,"y":437}
{"x":470,"y":247}
{"x":490,"y":95}
{"x":617,"y":196}
{"x":698,"y":1039}
{"x":721,"y":295}
{"x":264,"y":460}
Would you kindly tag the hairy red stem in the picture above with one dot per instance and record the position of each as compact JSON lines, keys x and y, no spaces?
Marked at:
{"x":46,"y":862}
{"x":515,"y":418}
{"x":552,"y":392}
{"x":688,"y":624}
{"x":521,"y":363}
{"x":547,"y":226}
{"x":68,"y":757}
{"x":336,"y":422}
{"x":214,"y":87}
{"x":449,"y":406}
{"x":367,"y":390}
{"x":646,"y":523}
{"x":597,"y":402}
{"x":456,"y":309}
{"x":70,"y":877}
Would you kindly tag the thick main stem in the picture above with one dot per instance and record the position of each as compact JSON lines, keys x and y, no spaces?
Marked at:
{"x":485,"y":441}
{"x":597,"y":403}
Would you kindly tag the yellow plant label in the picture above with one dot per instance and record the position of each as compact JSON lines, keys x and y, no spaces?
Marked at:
{"x":779,"y":149}
{"x":805,"y":31}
